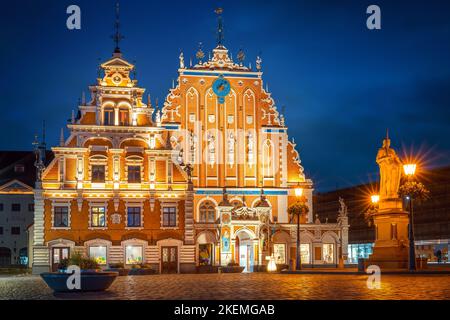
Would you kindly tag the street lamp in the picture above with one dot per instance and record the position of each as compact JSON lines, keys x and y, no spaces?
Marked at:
{"x":296,"y":210}
{"x":375,"y":199}
{"x":410,"y":170}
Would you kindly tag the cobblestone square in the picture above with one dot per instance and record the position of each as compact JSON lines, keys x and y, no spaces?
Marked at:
{"x":243,"y":287}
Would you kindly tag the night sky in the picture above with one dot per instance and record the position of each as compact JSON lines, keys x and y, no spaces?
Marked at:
{"x":341,"y":83}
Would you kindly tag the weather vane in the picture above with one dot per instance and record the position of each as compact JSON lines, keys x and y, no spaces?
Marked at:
{"x":117,"y":36}
{"x":219,"y":12}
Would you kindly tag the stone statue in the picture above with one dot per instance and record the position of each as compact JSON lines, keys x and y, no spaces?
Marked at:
{"x":211,"y":148}
{"x":231,"y":142}
{"x":181,"y":60}
{"x":258,"y":63}
{"x":390,"y":171}
{"x":343,"y":210}
{"x":158,"y":117}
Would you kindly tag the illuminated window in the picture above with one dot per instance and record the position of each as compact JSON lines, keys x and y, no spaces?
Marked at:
{"x":98,"y":217}
{"x":279,"y":252}
{"x":305,"y":253}
{"x":169,"y":217}
{"x":61,"y":217}
{"x":108,"y":117}
{"x":133,"y":254}
{"x":98,"y":254}
{"x":124,"y":117}
{"x":134,"y":174}
{"x":207,"y":212}
{"x":328,"y":252}
{"x":134,"y":217}
{"x":98,"y":173}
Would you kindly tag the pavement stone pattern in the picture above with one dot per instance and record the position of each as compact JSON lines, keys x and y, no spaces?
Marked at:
{"x":246,"y":286}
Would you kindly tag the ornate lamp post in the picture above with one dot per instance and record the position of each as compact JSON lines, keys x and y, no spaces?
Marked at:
{"x":297,"y":210}
{"x":410,"y":170}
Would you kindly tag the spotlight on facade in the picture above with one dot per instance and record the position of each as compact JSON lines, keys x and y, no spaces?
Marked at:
{"x":409,"y":169}
{"x":152,"y":186}
{"x":298,"y":192}
{"x":375,"y":198}
{"x":271,"y":266}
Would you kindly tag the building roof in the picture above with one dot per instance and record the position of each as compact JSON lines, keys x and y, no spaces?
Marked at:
{"x":19,"y":165}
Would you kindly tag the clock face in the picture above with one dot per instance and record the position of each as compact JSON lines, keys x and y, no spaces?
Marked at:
{"x":221,"y":88}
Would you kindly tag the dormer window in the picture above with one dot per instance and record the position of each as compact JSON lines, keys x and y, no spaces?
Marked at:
{"x":108,"y":117}
{"x":124,"y":117}
{"x":19,"y":168}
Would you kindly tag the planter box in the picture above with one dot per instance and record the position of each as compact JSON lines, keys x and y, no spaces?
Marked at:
{"x":90,"y":281}
{"x":234,"y":269}
{"x":141,"y":272}
{"x":207,"y":269}
{"x":121,"y":271}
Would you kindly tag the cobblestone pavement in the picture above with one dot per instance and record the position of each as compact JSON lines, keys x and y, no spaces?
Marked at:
{"x":242,"y":287}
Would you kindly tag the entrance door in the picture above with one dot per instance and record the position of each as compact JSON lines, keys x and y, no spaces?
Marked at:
{"x":169,"y":260}
{"x":243,"y":257}
{"x":58,"y":254}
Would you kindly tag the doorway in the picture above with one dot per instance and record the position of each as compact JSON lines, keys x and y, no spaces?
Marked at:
{"x":58,"y":254}
{"x":245,"y":251}
{"x":169,"y":260}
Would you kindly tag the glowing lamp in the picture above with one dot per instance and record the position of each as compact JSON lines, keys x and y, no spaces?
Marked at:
{"x":79,"y":185}
{"x":272,"y":266}
{"x":375,"y":198}
{"x":116,"y":185}
{"x":298,"y":192}
{"x":152,"y":186}
{"x":409,"y":169}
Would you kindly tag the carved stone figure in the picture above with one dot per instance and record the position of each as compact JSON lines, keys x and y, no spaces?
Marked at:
{"x":211,"y":148}
{"x":181,"y":60}
{"x":390,"y":171}
{"x":343,"y":210}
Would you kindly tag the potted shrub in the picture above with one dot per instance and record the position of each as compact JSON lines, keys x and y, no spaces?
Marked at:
{"x":232,"y":267}
{"x":91,"y":277}
{"x":142,"y":269}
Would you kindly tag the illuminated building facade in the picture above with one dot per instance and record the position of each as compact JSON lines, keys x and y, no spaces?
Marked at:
{"x":206,"y":180}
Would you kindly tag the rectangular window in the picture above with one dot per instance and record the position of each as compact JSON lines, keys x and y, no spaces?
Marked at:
{"x":169,"y":217}
{"x":108,"y":117}
{"x":134,"y":174}
{"x":15,"y":230}
{"x":61,"y":217}
{"x":305,"y":254}
{"x":279,"y":252}
{"x":124,"y":117}
{"x":134,"y":217}
{"x":98,"y":254}
{"x":1,"y":230}
{"x":1,"y":206}
{"x":133,"y":254}
{"x":98,"y":217}
{"x":98,"y":173}
{"x":31,"y":207}
{"x":328,"y":253}
{"x":15,"y":207}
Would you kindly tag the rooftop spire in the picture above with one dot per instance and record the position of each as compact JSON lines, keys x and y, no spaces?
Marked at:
{"x":117,"y":36}
{"x":220,"y":37}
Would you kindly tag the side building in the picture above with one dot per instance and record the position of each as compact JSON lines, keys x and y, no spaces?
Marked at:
{"x":17,"y":177}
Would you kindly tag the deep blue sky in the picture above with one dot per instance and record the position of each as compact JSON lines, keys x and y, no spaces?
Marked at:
{"x":342,"y":84}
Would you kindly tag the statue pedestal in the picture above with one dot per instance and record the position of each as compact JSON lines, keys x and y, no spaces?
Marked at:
{"x":391,"y":244}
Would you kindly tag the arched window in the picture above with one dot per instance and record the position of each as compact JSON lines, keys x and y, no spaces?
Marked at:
{"x":108,"y":116}
{"x":207,"y":212}
{"x":236,"y":203}
{"x":268,"y":159}
{"x":124,"y":117}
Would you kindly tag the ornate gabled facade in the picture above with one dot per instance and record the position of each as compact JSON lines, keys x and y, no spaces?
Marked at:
{"x":206,"y":180}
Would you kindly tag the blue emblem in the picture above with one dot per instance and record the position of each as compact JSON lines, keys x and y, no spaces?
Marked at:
{"x":221,"y":88}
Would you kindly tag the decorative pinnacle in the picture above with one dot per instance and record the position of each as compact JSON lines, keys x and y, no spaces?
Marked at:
{"x":241,"y":56}
{"x":200,"y":55}
{"x":117,"y":36}
{"x":220,"y":37}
